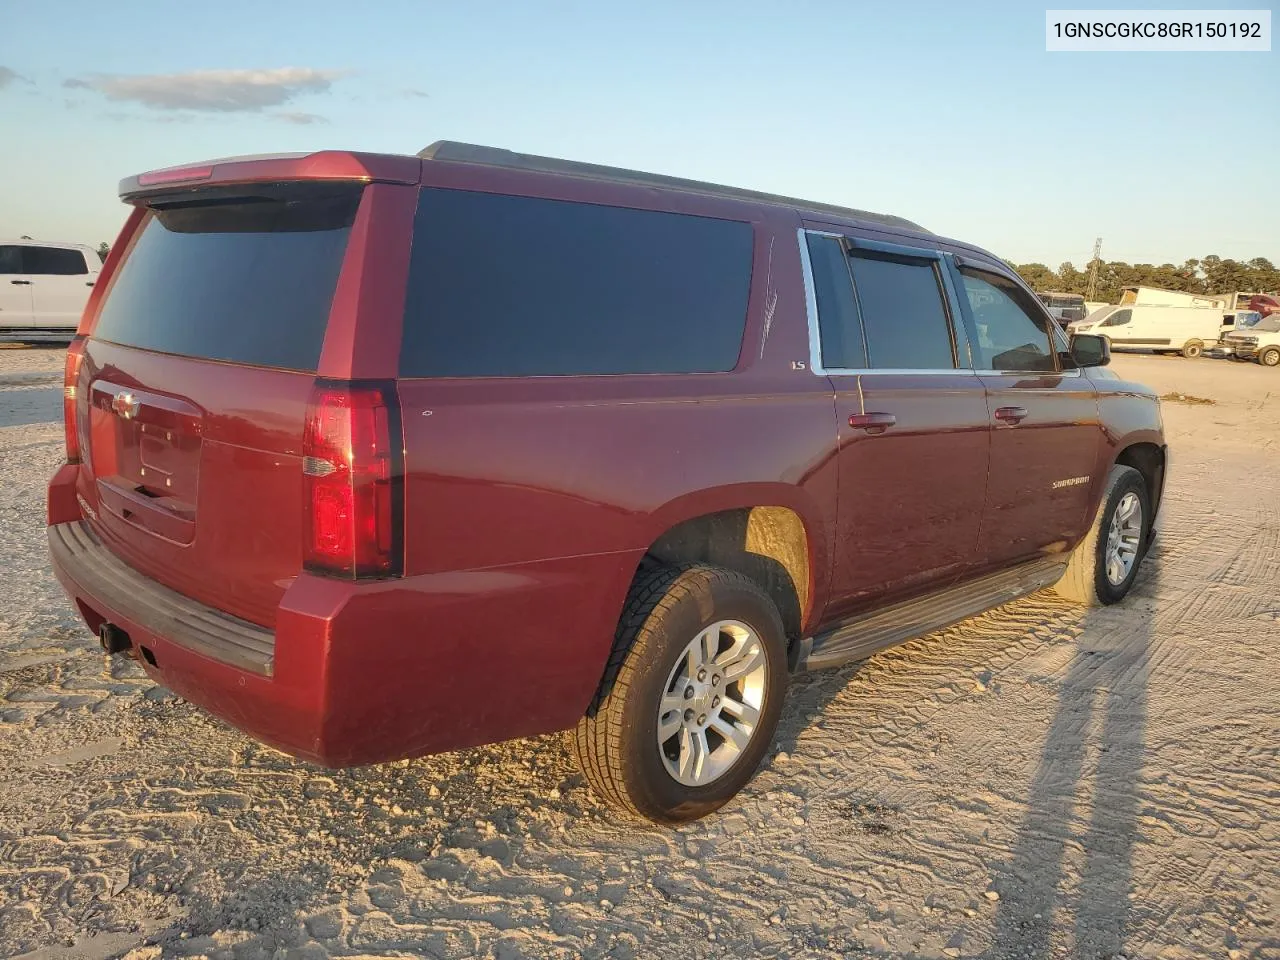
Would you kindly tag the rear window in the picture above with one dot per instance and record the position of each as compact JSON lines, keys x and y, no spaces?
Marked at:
{"x":247,"y":279}
{"x":504,"y":286}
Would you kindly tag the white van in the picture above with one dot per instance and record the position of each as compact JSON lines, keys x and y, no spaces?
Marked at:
{"x":1186,"y":330}
{"x":44,"y":287}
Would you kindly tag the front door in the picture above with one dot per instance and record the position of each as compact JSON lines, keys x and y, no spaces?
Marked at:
{"x":912,"y":424}
{"x":1046,"y":433}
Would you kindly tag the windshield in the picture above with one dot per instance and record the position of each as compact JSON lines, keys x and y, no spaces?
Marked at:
{"x":1269,"y":324}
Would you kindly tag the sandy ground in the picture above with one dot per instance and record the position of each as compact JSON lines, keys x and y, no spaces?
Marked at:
{"x":1037,"y":782}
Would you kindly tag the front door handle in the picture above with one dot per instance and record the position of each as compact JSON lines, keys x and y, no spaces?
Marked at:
{"x":873,"y":423}
{"x":1011,"y":415}
{"x":21,"y":283}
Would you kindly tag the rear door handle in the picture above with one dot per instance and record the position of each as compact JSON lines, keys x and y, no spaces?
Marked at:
{"x":873,"y":423}
{"x":21,"y":283}
{"x":1011,"y":415}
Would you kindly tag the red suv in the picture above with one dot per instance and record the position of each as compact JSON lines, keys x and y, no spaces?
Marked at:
{"x":380,"y":456}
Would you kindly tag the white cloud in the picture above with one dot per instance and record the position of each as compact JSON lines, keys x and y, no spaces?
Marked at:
{"x":218,"y":91}
{"x":299,"y":118}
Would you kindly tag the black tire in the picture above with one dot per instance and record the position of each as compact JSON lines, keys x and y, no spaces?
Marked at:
{"x":1085,"y":580}
{"x":1192,"y":349}
{"x":615,"y":744}
{"x":1270,"y":357}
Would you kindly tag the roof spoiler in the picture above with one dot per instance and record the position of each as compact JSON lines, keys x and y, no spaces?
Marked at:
{"x":274,"y":167}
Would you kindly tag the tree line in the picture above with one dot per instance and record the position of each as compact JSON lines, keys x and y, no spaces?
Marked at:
{"x":1213,"y":275}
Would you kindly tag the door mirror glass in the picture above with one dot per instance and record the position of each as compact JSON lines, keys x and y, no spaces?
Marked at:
{"x":1088,"y":350}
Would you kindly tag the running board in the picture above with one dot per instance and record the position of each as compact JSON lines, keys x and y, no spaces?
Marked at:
{"x":861,"y":636}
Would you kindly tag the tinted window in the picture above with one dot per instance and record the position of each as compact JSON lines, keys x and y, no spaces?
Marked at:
{"x":244,"y":280}
{"x":903,"y":315}
{"x":10,"y":260}
{"x":53,"y":260}
{"x":503,"y":286}
{"x":1117,"y":319}
{"x":840,"y":332}
{"x":1009,"y":332}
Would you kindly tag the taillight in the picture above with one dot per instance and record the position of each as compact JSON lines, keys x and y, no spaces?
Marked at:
{"x":70,"y":389}
{"x":352,"y":467}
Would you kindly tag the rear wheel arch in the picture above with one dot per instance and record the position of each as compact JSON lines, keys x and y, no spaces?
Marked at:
{"x":768,"y":543}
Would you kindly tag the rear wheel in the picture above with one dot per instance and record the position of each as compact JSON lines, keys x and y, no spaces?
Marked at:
{"x":1192,"y":349}
{"x":1105,"y":564}
{"x":691,"y":695}
{"x":1270,"y":357}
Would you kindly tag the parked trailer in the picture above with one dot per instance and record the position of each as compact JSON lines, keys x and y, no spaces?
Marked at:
{"x":1156,"y":297}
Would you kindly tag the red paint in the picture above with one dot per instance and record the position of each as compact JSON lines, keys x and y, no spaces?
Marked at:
{"x":907,"y":516}
{"x":1061,"y":434}
{"x":525,"y":505}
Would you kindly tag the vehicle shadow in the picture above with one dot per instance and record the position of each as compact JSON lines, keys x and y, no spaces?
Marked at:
{"x":1072,"y":861}
{"x":24,"y":407}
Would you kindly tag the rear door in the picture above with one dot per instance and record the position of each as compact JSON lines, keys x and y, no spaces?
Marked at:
{"x":15,"y":289}
{"x":1045,"y":428}
{"x":912,"y":420}
{"x":197,"y":374}
{"x":61,"y":278}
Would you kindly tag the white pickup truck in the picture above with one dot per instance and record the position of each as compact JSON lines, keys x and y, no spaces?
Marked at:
{"x":44,"y":287}
{"x":1259,"y":342}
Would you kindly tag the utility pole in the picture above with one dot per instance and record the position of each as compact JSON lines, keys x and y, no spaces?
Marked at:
{"x":1091,"y":288}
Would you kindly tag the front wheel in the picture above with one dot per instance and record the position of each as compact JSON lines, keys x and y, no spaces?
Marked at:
{"x":1270,"y":357}
{"x":691,"y":695}
{"x":1105,"y":564}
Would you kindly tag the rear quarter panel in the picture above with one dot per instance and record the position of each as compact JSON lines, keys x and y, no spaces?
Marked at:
{"x":538,"y":497}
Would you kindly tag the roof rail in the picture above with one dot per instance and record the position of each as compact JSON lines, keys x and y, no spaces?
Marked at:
{"x":455,"y":152}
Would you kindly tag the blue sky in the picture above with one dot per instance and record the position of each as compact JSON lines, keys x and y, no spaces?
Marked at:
{"x":950,"y":114}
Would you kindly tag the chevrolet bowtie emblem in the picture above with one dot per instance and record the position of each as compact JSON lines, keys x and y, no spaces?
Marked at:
{"x":125,"y":405}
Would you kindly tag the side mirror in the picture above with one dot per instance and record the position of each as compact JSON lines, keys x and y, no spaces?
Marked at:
{"x":1090,"y":350}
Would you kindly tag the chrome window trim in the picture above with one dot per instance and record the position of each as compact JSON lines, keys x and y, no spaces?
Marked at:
{"x":811,"y":299}
{"x":956,"y":371}
{"x":815,"y":336}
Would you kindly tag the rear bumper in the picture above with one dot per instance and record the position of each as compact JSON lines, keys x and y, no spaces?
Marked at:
{"x":76,"y":551}
{"x":359,"y":673}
